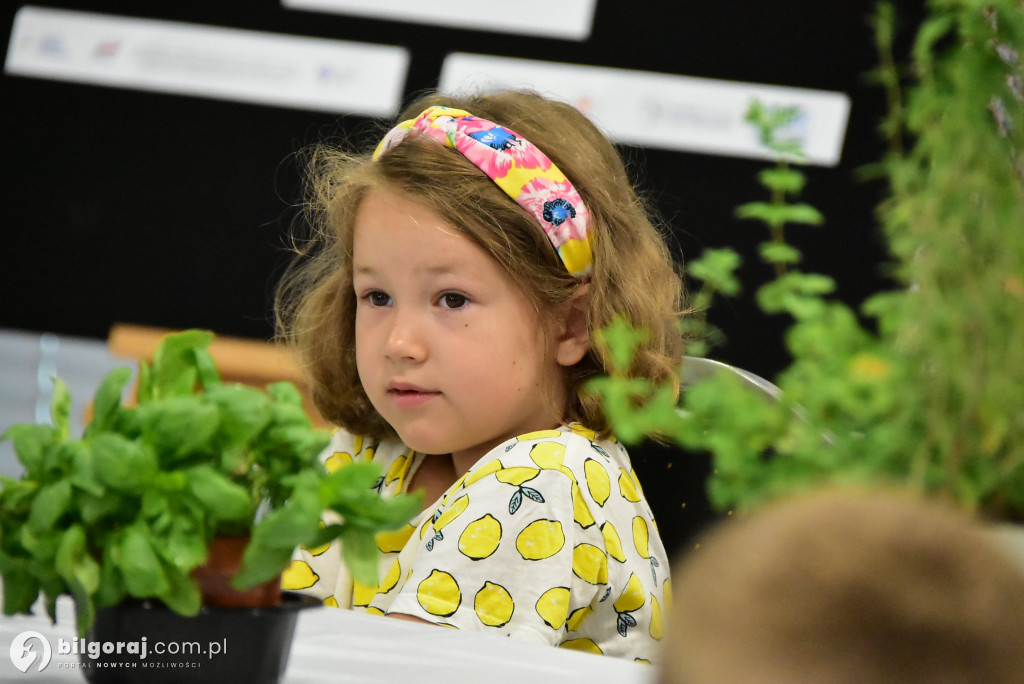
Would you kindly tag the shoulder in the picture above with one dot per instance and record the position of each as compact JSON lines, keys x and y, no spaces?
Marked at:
{"x":346,"y":447}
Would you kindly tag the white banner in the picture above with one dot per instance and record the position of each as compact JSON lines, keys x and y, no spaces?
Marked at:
{"x":565,"y":19}
{"x":193,"y":59}
{"x":664,"y":110}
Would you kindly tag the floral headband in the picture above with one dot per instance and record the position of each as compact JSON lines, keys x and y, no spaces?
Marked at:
{"x":517,"y":167}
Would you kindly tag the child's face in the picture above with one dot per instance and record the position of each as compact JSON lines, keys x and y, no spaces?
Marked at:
{"x":448,"y":348}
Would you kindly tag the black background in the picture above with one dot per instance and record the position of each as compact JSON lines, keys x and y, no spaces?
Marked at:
{"x":126,"y":206}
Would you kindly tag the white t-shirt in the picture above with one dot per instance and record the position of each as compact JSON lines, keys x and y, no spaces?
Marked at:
{"x":548,"y":537}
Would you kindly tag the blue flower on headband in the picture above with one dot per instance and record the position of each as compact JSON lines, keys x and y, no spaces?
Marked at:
{"x":556,"y":211}
{"x":497,"y":138}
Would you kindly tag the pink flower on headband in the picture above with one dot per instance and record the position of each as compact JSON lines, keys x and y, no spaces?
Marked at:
{"x":495,"y":149}
{"x":559,"y":206}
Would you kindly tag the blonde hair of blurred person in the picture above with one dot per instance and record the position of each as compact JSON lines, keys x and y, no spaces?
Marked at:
{"x":847,"y":587}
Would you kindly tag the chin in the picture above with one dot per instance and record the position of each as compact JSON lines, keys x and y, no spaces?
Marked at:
{"x":424,"y":442}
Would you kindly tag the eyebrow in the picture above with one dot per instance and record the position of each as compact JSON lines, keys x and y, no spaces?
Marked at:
{"x":433,"y":270}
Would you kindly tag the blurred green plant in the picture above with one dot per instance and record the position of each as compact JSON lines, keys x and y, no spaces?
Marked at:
{"x":129,"y":509}
{"x":925,"y":388}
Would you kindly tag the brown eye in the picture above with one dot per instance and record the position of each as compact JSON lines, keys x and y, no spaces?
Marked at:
{"x":378,"y":298}
{"x":454,"y":300}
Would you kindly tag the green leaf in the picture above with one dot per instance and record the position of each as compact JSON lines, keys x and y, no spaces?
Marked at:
{"x":260,"y":565}
{"x":60,"y":409}
{"x":717,"y":268}
{"x":179,"y":426}
{"x":122,"y":464}
{"x":359,"y":551}
{"x":93,"y":508}
{"x":83,"y":473}
{"x":50,"y":503}
{"x":174,"y":371}
{"x":778,"y":215}
{"x":30,"y":442}
{"x":222,"y":499}
{"x":143,"y":574}
{"x":285,"y":392}
{"x":20,"y":589}
{"x":185,"y":544}
{"x":206,"y":368}
{"x":783,"y":179}
{"x":621,"y":340}
{"x":16,"y":495}
{"x":107,"y":400}
{"x":244,"y":412}
{"x":73,"y":562}
{"x":182,"y":594}
{"x":145,"y":388}
{"x":779,"y":253}
{"x":111,"y":589}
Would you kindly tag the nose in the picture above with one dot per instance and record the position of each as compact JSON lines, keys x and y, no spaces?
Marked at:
{"x":405,"y":339}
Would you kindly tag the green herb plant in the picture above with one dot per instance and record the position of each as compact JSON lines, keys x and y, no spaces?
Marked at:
{"x":924,"y":386}
{"x":128,"y":509}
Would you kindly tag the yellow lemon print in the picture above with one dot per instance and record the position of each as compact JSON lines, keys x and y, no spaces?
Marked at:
{"x":390,"y":579}
{"x":641,"y":661}
{"x":493,"y":605}
{"x":474,"y":476}
{"x":657,"y":622}
{"x":585,"y":645}
{"x":397,"y":469}
{"x":636,"y":481}
{"x":632,"y":597}
{"x":453,"y":512}
{"x":612,"y":542}
{"x":480,"y":538}
{"x":590,"y":564}
{"x":597,"y":481}
{"x":583,"y":431}
{"x":548,"y":455}
{"x":578,"y":616}
{"x":516,"y":475}
{"x":368,"y":454}
{"x":331,"y":601}
{"x":666,"y":590}
{"x":318,"y":550}
{"x":627,"y":487}
{"x":641,"y":537}
{"x":338,"y":459}
{"x":390,"y":542}
{"x":540,"y":539}
{"x":362,"y":594}
{"x":439,"y":594}
{"x":298,"y":575}
{"x":374,"y":610}
{"x":580,"y":511}
{"x":553,"y":606}
{"x":539,"y":434}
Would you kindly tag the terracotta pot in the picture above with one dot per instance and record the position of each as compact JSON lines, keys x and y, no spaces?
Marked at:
{"x":215,"y":575}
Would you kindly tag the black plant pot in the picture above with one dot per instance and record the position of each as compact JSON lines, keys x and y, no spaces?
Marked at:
{"x":248,"y":645}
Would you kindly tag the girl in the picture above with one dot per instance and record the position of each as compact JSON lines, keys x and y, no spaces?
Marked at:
{"x":446,"y":314}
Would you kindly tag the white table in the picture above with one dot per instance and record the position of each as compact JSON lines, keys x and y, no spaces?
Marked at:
{"x":342,"y":646}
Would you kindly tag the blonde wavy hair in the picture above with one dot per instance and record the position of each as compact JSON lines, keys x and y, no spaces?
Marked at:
{"x":633,"y":274}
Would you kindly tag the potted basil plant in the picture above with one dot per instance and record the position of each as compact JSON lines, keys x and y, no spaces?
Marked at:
{"x":136,"y":509}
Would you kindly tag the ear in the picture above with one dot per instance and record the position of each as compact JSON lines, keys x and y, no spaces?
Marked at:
{"x":573,"y":340}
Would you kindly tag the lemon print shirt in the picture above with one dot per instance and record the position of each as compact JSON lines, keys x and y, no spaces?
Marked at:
{"x":548,"y":537}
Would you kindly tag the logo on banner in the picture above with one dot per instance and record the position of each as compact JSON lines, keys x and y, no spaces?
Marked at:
{"x":23,"y":655}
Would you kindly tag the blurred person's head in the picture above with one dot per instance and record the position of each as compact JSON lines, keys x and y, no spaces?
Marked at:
{"x":844,"y":586}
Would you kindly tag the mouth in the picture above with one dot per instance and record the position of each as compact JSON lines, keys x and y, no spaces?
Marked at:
{"x":407,"y":395}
